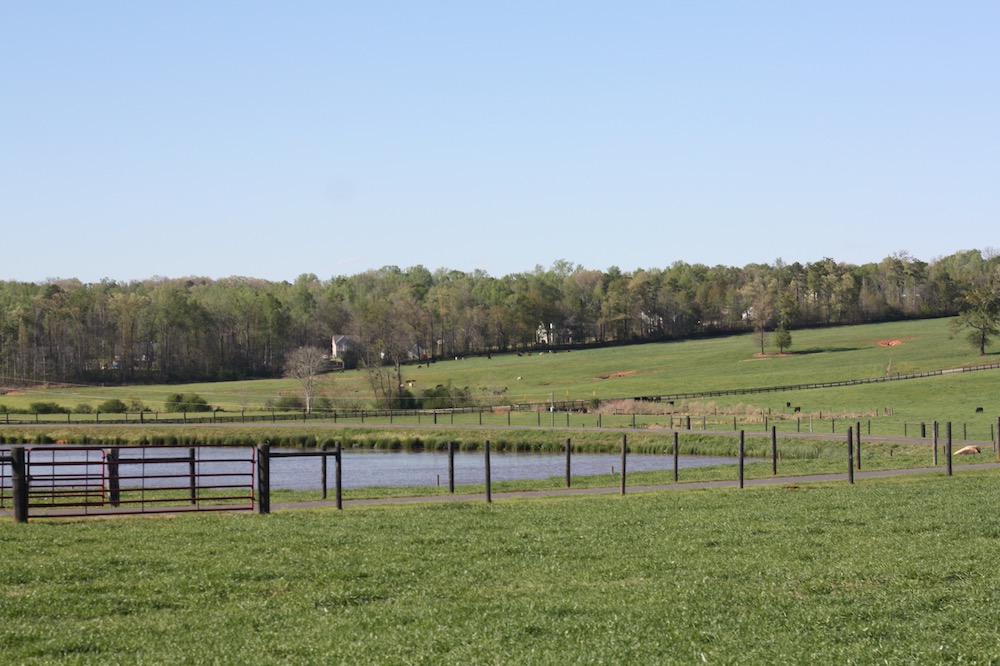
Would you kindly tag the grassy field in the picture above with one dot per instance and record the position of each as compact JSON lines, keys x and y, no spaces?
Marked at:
{"x":818,"y":355}
{"x":894,"y":408}
{"x":894,"y":571}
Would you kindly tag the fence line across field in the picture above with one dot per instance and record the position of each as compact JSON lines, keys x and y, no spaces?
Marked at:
{"x":52,"y":481}
{"x":549,"y":415}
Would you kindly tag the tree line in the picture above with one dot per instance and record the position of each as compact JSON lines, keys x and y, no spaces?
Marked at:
{"x":195,"y":328}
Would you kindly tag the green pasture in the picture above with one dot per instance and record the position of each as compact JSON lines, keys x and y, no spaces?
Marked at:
{"x":817,"y":355}
{"x":896,"y":571}
{"x":904,"y":407}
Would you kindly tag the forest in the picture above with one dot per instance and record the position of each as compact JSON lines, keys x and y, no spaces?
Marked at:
{"x":195,"y":328}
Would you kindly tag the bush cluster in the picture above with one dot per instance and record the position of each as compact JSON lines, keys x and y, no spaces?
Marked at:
{"x":285,"y":403}
{"x":186,"y":402}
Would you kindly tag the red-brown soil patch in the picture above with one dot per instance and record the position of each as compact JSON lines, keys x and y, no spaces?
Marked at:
{"x":613,"y":375}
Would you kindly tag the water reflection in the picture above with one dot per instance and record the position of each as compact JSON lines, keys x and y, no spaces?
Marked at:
{"x":366,"y":468}
{"x":361,"y":468}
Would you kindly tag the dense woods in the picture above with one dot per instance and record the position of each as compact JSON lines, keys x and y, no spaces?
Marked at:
{"x":172,"y":330}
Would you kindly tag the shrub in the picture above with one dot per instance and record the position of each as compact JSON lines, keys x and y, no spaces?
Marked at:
{"x":136,"y":405}
{"x":186,"y":402}
{"x":112,"y":406}
{"x":83,"y":408}
{"x":287,"y":403}
{"x":47,"y":408}
{"x":445,"y":396}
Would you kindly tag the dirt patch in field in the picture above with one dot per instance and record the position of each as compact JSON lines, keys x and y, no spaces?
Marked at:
{"x":614,"y":375}
{"x":890,"y":343}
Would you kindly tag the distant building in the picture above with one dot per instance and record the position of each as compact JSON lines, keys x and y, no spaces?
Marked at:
{"x":344,"y":350}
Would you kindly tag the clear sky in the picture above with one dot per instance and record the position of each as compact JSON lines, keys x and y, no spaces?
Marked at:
{"x":271,"y":139}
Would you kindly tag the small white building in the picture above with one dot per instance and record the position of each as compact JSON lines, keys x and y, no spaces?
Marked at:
{"x":341,"y":345}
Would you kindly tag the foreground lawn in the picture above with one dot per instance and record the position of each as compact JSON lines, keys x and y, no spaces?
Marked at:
{"x":892,"y":571}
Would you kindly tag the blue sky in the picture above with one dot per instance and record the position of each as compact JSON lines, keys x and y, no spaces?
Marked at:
{"x":267,"y":139}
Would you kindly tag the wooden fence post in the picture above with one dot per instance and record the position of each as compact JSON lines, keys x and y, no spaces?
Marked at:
{"x":322,"y":473}
{"x":192,"y":475}
{"x":857,"y":434}
{"x":451,"y":468}
{"x":19,"y":483}
{"x":338,"y":473}
{"x":676,"y":455}
{"x":947,"y":446}
{"x":569,"y":449}
{"x":489,"y":481}
{"x":624,"y":452}
{"x":850,"y":455}
{"x":742,"y":455}
{"x":774,"y":450}
{"x":114,"y":478}
{"x":264,"y":478}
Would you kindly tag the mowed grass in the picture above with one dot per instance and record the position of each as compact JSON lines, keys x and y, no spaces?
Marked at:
{"x":894,"y":571}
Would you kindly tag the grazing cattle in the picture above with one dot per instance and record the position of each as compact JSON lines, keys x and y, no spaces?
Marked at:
{"x":798,"y":409}
{"x":979,"y":410}
{"x":967,"y":450}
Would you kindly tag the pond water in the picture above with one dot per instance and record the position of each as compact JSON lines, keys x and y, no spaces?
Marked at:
{"x":366,"y":468}
{"x":361,"y":468}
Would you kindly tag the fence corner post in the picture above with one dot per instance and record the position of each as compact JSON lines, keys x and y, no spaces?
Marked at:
{"x":264,"y":477}
{"x":19,"y":483}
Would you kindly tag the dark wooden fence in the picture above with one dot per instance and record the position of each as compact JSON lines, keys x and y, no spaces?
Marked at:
{"x":74,"y":488}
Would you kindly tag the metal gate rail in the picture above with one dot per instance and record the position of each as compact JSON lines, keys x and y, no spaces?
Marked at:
{"x":80,"y":481}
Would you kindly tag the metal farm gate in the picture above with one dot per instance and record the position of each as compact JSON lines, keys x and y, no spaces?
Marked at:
{"x":87,"y":480}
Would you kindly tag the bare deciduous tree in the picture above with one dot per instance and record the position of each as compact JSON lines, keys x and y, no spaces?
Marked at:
{"x":305,"y":364}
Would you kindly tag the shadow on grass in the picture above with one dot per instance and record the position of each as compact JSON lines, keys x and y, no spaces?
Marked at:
{"x":821,"y":350}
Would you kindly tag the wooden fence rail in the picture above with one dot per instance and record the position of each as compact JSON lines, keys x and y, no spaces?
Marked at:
{"x":16,"y":466}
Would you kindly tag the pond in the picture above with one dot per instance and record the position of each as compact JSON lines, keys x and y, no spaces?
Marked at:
{"x":361,"y":468}
{"x":366,"y":468}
